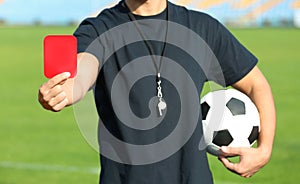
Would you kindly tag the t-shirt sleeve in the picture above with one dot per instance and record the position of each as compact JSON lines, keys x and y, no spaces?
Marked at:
{"x":235,"y":60}
{"x":88,"y":39}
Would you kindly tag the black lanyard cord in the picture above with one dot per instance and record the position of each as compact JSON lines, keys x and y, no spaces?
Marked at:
{"x":149,"y":47}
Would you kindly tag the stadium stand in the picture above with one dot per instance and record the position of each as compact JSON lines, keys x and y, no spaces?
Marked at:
{"x":234,"y":12}
{"x":243,"y":4}
{"x":206,"y":4}
{"x":260,"y":10}
{"x":296,"y":4}
{"x":184,"y":2}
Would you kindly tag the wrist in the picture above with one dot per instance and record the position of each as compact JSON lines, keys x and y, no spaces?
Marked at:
{"x":266,"y":151}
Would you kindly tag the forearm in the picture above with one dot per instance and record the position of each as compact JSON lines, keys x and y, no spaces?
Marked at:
{"x":260,"y":93}
{"x":85,"y":78}
{"x":262,"y":97}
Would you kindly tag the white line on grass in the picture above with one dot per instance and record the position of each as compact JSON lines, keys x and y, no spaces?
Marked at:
{"x":48,"y":167}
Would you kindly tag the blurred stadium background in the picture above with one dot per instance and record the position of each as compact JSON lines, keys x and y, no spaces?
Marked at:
{"x":37,"y":146}
{"x":231,"y":12}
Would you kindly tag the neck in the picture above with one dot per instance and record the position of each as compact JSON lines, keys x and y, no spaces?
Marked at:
{"x":146,"y":7}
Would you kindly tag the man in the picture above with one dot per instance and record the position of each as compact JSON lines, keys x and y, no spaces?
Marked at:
{"x":188,"y":165}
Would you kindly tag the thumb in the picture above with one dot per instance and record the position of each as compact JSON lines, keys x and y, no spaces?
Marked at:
{"x":231,"y":151}
{"x":59,"y":79}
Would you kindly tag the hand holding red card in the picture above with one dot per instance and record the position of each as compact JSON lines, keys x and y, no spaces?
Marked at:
{"x":60,"y":55}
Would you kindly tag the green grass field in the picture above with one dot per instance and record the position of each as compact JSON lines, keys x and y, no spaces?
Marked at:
{"x":37,"y":146}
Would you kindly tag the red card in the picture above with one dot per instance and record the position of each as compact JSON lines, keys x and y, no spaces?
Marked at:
{"x":60,"y":55}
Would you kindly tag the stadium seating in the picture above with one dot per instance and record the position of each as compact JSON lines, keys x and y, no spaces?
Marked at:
{"x":243,"y":4}
{"x":206,"y":4}
{"x":264,"y":8}
{"x":235,"y":12}
{"x":184,"y":2}
{"x":296,"y":4}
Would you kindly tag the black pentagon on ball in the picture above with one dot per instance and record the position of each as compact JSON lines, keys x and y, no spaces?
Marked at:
{"x":222,"y":138}
{"x":204,"y":109}
{"x":236,"y":107}
{"x":254,"y":134}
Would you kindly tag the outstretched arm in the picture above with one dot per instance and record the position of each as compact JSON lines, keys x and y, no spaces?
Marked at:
{"x":252,"y":160}
{"x":61,"y":91}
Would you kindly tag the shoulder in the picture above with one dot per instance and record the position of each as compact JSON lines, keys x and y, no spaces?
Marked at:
{"x":106,"y":19}
{"x":113,"y":16}
{"x":203,"y":24}
{"x":195,"y":17}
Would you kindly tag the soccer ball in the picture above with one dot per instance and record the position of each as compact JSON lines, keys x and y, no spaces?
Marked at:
{"x":229,"y":118}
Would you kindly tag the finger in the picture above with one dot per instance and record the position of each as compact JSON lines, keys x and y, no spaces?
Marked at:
{"x":53,"y":93}
{"x":231,"y":151}
{"x":43,"y":90}
{"x":40,"y":96}
{"x":61,"y":105}
{"x":46,"y":106}
{"x":46,"y":87}
{"x":233,"y":167}
{"x":247,"y":175}
{"x":229,"y":165}
{"x":58,"y":99}
{"x":58,"y":79}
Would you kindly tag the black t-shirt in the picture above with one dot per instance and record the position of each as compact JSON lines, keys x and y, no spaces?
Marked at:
{"x":136,"y":145}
